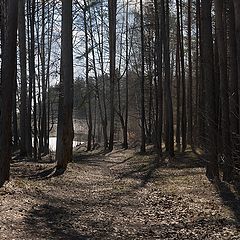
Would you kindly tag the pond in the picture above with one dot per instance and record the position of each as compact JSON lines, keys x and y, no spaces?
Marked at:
{"x":53,"y":143}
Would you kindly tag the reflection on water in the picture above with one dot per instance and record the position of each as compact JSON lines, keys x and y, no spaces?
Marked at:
{"x":53,"y":143}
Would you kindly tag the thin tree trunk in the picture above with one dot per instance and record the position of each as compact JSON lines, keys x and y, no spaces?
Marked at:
{"x":14,"y":117}
{"x":159,"y":88}
{"x":168,"y":96}
{"x":90,"y":127}
{"x":43,"y":128}
{"x":184,"y":115}
{"x":32,"y":85}
{"x":112,"y":8}
{"x":178,"y":78}
{"x":23,"y":66}
{"x":197,"y":76}
{"x":190,"y":76}
{"x":103,"y":116}
{"x":50,"y":22}
{"x":125,"y":130}
{"x":30,"y":8}
{"x":143,"y":134}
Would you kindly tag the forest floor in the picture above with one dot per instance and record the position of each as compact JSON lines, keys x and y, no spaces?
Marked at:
{"x":119,"y":195}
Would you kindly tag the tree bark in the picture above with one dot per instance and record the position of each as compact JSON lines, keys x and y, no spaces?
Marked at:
{"x":143,"y":133}
{"x":237,"y":29}
{"x":190,"y":76}
{"x":168,"y":95}
{"x":23,"y":68}
{"x":8,"y":76}
{"x":183,"y":78}
{"x":208,"y":75}
{"x":90,"y":125}
{"x":158,"y":81}
{"x":112,"y":9}
{"x":234,"y":92}
{"x":64,"y":143}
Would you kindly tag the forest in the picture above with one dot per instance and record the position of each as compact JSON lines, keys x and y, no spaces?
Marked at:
{"x":119,"y":119}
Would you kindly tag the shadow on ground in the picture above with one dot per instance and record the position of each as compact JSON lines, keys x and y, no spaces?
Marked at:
{"x":127,"y":200}
{"x":230,"y":195}
{"x":52,"y":222}
{"x":145,"y":168}
{"x":47,"y":173}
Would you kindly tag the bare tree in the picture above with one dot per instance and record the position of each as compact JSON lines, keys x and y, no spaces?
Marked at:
{"x":8,"y":78}
{"x":23,"y":67}
{"x":65,"y":121}
{"x":210,"y":107}
{"x":112,"y":11}
{"x":143,"y":133}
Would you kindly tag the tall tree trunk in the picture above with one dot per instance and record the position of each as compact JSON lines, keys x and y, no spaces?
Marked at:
{"x":8,"y":76}
{"x":234,"y":91}
{"x":50,"y":39}
{"x":112,"y":9}
{"x":33,"y":77}
{"x":102,"y":113}
{"x":197,"y":76}
{"x":184,"y":114}
{"x":23,"y":67}
{"x":143,"y":134}
{"x":32,"y":87}
{"x":237,"y":28}
{"x":125,"y":129}
{"x":90,"y":127}
{"x":222,"y":53}
{"x":159,"y":88}
{"x":31,"y":13}
{"x":168,"y":95}
{"x":190,"y":77}
{"x":43,"y":128}
{"x":178,"y":79}
{"x":64,"y":145}
{"x":208,"y":75}
{"x":14,"y":112}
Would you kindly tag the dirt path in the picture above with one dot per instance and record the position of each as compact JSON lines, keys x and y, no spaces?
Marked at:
{"x":120,"y":195}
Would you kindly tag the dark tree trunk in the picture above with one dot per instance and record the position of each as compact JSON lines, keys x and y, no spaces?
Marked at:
{"x":183,"y":77}
{"x":168,"y":95}
{"x":23,"y":67}
{"x":234,"y":91}
{"x":143,"y":133}
{"x":237,"y":29}
{"x":8,"y":77}
{"x":190,"y":76}
{"x":125,"y":129}
{"x":158,"y":81}
{"x":208,"y":75}
{"x":197,"y":76}
{"x":33,"y":80}
{"x":43,"y":123}
{"x":178,"y":79}
{"x":14,"y":116}
{"x":64,"y":143}
{"x":112,"y":8}
{"x":90,"y":127}
{"x":222,"y":54}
